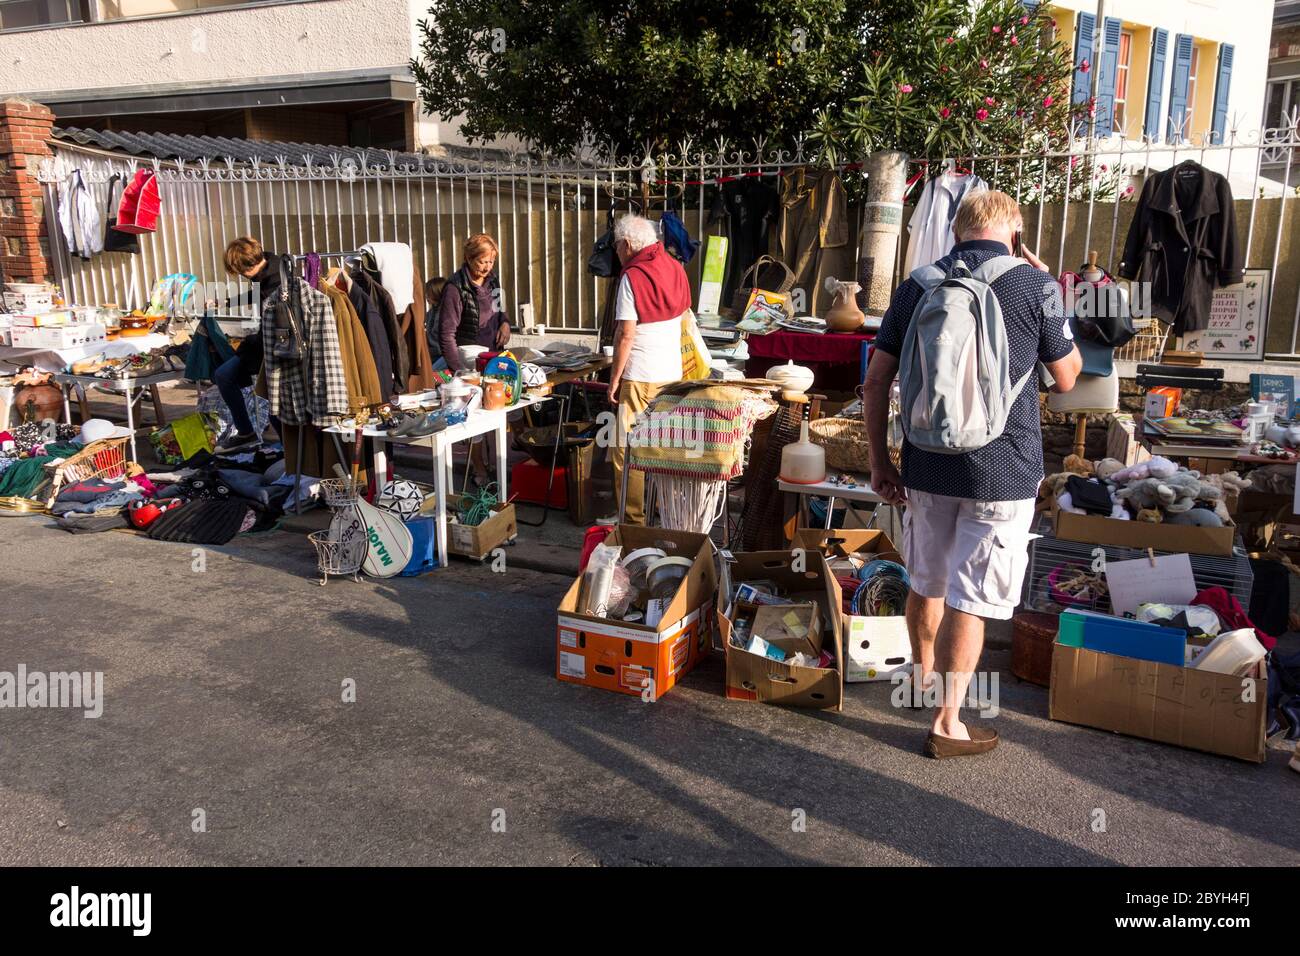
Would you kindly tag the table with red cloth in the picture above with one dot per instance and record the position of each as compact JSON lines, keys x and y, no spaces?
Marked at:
{"x":834,"y":357}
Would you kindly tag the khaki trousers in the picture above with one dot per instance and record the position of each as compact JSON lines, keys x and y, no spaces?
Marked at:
{"x":633,"y":399}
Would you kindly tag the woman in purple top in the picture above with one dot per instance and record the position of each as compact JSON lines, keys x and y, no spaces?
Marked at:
{"x":472,"y":311}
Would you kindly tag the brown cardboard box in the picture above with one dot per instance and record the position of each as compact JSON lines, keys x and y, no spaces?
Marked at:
{"x":634,"y":658}
{"x":1174,"y":705}
{"x":750,"y":677}
{"x":849,"y":540}
{"x":769,"y":624}
{"x":478,"y":541}
{"x":1171,"y":538}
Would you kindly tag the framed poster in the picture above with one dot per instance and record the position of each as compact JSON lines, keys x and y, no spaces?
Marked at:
{"x":1238,"y":314}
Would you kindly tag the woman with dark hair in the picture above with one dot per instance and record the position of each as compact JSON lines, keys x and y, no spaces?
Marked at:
{"x":472,"y":311}
{"x":433,"y":290}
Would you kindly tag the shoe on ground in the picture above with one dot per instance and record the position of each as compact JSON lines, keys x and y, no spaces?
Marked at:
{"x":982,"y":740}
{"x":608,"y":521}
{"x":238,"y":443}
{"x":1295,"y":762}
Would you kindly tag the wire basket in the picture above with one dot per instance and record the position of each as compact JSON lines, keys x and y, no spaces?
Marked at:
{"x":338,"y":557}
{"x":339,"y":492}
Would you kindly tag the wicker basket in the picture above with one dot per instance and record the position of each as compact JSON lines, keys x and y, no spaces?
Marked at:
{"x":760,"y":276}
{"x":845,"y":442}
{"x":100,"y":459}
{"x":1032,"y":636}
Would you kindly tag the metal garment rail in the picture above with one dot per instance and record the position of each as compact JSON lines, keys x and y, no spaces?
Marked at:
{"x":546,"y":213}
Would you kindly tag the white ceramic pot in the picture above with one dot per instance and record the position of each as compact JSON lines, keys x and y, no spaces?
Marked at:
{"x":793,"y":378}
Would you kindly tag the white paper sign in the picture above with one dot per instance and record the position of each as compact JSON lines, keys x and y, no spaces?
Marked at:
{"x":1168,"y":581}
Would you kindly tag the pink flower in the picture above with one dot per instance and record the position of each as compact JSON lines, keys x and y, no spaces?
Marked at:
{"x":984,"y":64}
{"x":945,"y":112}
{"x":1084,"y":66}
{"x":1024,"y":21}
{"x":1048,"y":101}
{"x":1103,"y":167}
{"x":944,"y":68}
{"x":981,"y":114}
{"x":905,"y":87}
{"x":990,"y":101}
{"x":1015,"y":41}
{"x":997,"y":29}
{"x":950,"y":39}
{"x":1128,"y":190}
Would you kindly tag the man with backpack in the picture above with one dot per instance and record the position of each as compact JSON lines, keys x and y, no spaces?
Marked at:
{"x":965,"y":336}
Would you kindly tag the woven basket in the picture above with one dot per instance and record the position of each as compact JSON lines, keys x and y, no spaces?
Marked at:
{"x":1032,"y":636}
{"x":760,"y":276}
{"x":100,"y":459}
{"x":845,"y":442}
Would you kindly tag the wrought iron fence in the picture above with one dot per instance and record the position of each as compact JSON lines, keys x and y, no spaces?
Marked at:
{"x":546,"y":213}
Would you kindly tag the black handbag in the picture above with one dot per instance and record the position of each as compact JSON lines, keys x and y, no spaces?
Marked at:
{"x":603,"y":261}
{"x":114,"y":240}
{"x":288,"y":327}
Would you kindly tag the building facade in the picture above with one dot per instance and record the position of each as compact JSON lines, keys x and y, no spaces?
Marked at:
{"x":321,"y":71}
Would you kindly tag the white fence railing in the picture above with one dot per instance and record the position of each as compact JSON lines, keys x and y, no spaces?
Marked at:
{"x":546,"y":214}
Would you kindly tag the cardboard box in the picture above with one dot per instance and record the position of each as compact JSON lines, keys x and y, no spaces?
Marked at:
{"x":478,"y":541}
{"x":1171,"y":538}
{"x":30,"y":303}
{"x":768,"y":621}
{"x":635,"y":659}
{"x":875,"y":648}
{"x":750,"y":677}
{"x":1200,"y":710}
{"x":58,"y":337}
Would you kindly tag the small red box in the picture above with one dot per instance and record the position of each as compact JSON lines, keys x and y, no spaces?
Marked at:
{"x":528,"y":483}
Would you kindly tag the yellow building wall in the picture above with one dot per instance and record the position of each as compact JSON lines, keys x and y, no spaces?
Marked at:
{"x":1207,"y":71}
{"x":1139,"y":77}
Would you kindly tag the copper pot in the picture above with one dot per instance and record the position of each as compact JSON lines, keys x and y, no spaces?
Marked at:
{"x":35,"y":403}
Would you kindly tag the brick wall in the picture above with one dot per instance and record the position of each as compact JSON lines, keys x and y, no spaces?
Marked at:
{"x":24,"y":131}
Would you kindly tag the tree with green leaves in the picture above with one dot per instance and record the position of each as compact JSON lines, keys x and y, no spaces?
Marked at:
{"x":930,"y":77}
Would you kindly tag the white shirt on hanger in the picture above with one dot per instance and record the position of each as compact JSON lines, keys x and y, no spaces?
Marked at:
{"x":929,"y":230}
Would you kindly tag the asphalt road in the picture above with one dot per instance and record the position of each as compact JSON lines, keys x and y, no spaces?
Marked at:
{"x":223,"y":693}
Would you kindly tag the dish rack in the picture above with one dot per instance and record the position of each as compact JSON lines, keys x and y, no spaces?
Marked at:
{"x":335,"y":553}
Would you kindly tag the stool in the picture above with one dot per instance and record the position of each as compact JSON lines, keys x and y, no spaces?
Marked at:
{"x":1091,"y":395}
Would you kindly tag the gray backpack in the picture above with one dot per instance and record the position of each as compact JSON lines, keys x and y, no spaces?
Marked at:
{"x":954,"y":373}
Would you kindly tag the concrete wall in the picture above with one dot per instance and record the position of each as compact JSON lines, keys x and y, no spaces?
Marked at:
{"x":212,"y":47}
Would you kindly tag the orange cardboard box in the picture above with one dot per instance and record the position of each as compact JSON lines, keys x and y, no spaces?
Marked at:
{"x":632,"y":658}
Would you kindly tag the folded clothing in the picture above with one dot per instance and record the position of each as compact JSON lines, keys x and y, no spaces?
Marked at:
{"x":201,"y":521}
{"x":91,"y":523}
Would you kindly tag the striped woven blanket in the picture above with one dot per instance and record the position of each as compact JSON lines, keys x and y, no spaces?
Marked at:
{"x":700,"y":434}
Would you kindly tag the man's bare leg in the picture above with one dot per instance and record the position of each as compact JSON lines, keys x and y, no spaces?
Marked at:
{"x":924,"y":616}
{"x":956,"y":655}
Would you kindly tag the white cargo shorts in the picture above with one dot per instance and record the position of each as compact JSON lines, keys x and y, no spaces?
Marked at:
{"x":973,"y":554}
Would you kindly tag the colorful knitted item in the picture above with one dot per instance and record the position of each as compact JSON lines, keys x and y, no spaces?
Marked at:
{"x":700,"y":434}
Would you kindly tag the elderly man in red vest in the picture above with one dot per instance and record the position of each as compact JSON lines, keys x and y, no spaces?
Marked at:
{"x":652,"y":296}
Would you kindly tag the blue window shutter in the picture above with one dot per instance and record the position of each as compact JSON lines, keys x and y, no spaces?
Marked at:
{"x":1109,"y":67}
{"x":1221,"y":88}
{"x":1178,"y":89}
{"x":1156,"y":83}
{"x":1084,"y":29}
{"x":1029,"y":4}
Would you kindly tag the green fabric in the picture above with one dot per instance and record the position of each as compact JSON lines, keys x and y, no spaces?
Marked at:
{"x":20,"y":479}
{"x":63,"y":449}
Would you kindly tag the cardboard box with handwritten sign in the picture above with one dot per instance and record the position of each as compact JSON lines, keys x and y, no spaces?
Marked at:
{"x":1201,"y":710}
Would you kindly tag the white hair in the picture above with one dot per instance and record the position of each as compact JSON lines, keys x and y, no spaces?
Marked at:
{"x":638,"y":232}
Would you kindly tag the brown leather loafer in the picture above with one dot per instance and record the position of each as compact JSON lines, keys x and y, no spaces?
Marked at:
{"x":982,"y":740}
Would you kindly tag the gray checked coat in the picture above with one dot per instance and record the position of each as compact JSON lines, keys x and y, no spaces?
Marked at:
{"x":314,"y":390}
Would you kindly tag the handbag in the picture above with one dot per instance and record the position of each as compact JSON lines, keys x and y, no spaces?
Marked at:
{"x":140,"y":206}
{"x":115,"y":240}
{"x":288,"y":335}
{"x":603,"y":261}
{"x":762,"y":275}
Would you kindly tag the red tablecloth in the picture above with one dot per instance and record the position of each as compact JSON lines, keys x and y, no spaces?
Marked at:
{"x":834,"y":357}
{"x":809,"y":346}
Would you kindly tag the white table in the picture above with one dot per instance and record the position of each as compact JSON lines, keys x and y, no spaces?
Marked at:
{"x":57,"y":360}
{"x":479,"y":422}
{"x":824,"y":489}
{"x":132,"y":388}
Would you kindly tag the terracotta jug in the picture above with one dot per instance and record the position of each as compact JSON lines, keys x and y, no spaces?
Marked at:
{"x":844,"y":314}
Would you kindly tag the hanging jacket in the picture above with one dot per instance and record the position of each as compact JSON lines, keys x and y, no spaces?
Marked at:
{"x":417,"y":345}
{"x":1183,"y":240}
{"x":401,"y":359}
{"x":813,"y":237}
{"x":315,"y":389}
{"x":79,"y":218}
{"x":376,"y":335}
{"x":209,"y":348}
